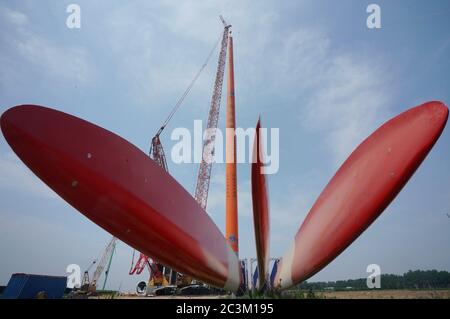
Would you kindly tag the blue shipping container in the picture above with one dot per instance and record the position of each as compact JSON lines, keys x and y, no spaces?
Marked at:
{"x":26,"y":286}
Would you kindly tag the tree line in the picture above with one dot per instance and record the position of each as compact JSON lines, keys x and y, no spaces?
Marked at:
{"x":418,"y":279}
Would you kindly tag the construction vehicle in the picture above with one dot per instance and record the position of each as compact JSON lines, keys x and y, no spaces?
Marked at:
{"x":90,"y":285}
{"x":156,"y":271}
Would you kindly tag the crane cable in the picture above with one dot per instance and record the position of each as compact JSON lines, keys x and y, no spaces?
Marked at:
{"x":188,"y":89}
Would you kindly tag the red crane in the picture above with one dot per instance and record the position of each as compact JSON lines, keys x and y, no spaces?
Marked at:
{"x":204,"y":173}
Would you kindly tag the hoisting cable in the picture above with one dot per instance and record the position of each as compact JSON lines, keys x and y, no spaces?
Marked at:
{"x":188,"y":89}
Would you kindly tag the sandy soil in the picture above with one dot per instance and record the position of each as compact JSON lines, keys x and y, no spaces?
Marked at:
{"x":388,"y":294}
{"x":372,"y":294}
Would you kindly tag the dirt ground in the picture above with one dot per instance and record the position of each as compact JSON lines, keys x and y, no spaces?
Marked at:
{"x":372,"y":294}
{"x":387,"y":294}
{"x":169,"y":297}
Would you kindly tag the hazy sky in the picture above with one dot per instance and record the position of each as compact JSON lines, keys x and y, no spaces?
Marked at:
{"x":311,"y":68}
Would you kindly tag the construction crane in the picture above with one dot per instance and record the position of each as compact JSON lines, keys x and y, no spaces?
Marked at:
{"x":204,"y":174}
{"x":105,"y":262}
{"x":141,"y":263}
{"x":156,"y":149}
{"x":157,"y":277}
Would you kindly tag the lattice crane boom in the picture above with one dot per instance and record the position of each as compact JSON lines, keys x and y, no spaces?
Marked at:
{"x":107,"y":253}
{"x":204,"y":173}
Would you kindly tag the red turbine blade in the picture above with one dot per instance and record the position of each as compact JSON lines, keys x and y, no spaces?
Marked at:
{"x":122,"y":190}
{"x":362,"y":188}
{"x":260,"y":207}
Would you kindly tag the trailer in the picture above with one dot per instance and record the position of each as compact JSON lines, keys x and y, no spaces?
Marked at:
{"x":28,"y":286}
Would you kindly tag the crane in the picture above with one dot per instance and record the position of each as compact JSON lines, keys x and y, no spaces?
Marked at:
{"x":105,"y":261}
{"x":156,"y":148}
{"x":204,"y":174}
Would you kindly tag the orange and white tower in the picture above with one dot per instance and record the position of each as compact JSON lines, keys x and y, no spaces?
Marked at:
{"x":231,"y":181}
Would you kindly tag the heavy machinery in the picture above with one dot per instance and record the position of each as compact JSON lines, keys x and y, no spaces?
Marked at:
{"x":159,"y":273}
{"x":156,"y":271}
{"x":90,"y":285}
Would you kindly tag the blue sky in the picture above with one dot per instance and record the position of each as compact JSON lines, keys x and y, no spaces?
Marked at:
{"x":311,"y":68}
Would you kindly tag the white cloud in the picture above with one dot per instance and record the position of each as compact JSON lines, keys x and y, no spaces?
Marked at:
{"x":156,"y":60}
{"x":346,"y":95}
{"x":245,"y":206}
{"x":23,"y":45}
{"x":161,"y":45}
{"x":14,"y":17}
{"x":287,"y":213}
{"x":217,"y":198}
{"x":351,"y":102}
{"x":63,"y":63}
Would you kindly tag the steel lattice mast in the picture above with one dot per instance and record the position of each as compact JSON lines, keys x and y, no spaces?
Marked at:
{"x":107,"y":255}
{"x":157,"y":150}
{"x":204,"y":173}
